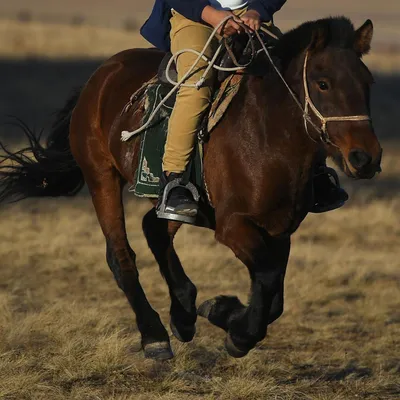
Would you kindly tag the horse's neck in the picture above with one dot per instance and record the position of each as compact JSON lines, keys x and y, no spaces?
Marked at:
{"x":282,"y":145}
{"x":283,"y":119}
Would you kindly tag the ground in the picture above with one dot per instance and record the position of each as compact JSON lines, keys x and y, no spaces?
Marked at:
{"x":67,"y":331}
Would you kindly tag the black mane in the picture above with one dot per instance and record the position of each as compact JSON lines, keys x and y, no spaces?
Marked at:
{"x":338,"y":32}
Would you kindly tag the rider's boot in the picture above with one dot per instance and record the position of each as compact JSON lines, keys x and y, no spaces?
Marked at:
{"x":178,"y":200}
{"x":328,"y":194}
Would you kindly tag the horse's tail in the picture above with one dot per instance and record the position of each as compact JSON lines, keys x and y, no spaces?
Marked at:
{"x":42,"y":171}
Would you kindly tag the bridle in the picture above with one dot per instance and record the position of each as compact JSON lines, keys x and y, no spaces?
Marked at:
{"x":324,"y":135}
{"x":309,"y":104}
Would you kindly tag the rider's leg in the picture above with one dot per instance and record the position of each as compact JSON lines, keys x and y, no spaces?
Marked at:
{"x":328,"y":195}
{"x":191,"y":103}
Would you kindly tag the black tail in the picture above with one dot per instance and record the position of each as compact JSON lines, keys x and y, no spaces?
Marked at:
{"x":39,"y":171}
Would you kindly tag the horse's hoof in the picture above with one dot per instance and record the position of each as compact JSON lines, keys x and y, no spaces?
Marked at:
{"x":232,"y":349}
{"x":184,"y":334}
{"x":160,"y":351}
{"x":205,"y":308}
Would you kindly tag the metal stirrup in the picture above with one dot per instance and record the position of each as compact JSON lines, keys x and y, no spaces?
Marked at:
{"x":162,"y":213}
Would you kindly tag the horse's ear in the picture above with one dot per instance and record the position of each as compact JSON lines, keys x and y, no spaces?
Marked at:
{"x":363,"y":38}
{"x":319,"y":40}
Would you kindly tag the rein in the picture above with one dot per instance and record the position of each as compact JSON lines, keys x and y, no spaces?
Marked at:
{"x":308,"y":103}
{"x":126,"y":135}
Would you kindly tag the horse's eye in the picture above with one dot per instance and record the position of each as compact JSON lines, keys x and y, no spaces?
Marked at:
{"x":323,"y":85}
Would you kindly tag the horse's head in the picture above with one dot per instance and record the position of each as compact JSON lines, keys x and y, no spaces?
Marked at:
{"x":327,"y":69}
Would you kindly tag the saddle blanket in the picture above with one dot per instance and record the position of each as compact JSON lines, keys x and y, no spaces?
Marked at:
{"x":152,"y":141}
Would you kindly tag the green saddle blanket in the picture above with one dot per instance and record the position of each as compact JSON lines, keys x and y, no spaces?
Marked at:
{"x":152,"y":141}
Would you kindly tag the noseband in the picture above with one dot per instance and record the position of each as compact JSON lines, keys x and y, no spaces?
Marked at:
{"x":308,"y":103}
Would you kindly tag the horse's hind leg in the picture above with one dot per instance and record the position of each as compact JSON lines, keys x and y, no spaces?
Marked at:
{"x":160,"y":235}
{"x":106,"y":189}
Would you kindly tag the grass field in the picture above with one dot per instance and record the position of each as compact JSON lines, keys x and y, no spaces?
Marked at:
{"x":51,"y":40}
{"x":385,"y":13}
{"x":67,"y":332}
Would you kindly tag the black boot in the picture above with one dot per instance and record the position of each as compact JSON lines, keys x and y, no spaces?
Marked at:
{"x":328,"y":195}
{"x":178,"y":201}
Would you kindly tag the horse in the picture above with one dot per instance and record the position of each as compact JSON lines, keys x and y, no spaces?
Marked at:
{"x":258,"y":170}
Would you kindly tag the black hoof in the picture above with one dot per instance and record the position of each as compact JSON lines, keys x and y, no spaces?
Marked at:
{"x":205,"y":308}
{"x":232,"y":349}
{"x":184,"y":333}
{"x":160,"y":351}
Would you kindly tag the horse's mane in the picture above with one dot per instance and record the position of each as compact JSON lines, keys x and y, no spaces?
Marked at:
{"x":334,"y":31}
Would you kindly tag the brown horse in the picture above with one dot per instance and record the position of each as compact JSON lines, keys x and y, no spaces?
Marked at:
{"x":258,"y":167}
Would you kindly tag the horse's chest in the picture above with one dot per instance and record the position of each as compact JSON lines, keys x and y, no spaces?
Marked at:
{"x":284,"y":221}
{"x":285,"y":215}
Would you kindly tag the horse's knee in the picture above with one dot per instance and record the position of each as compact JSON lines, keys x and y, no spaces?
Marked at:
{"x":124,"y":275}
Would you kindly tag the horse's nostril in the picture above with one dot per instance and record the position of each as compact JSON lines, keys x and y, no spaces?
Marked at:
{"x":359,"y":158}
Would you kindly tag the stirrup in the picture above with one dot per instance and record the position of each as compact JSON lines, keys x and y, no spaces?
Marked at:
{"x":318,"y":208}
{"x":161,"y":209}
{"x":324,"y":170}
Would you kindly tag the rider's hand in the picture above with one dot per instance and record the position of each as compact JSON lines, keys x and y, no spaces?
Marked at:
{"x":214,"y":17}
{"x":252,"y":19}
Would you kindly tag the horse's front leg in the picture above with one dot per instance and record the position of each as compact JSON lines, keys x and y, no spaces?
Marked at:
{"x":266,"y":258}
{"x":160,"y":235}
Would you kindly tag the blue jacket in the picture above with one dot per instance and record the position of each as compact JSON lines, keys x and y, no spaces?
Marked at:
{"x":156,"y":29}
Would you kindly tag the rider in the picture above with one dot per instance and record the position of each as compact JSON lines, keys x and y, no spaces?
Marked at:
{"x":175,"y":25}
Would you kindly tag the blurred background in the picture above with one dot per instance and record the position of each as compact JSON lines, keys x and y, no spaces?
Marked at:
{"x":67,"y":332}
{"x":49,"y":47}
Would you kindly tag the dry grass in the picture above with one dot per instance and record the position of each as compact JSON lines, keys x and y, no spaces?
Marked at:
{"x":384,"y":13}
{"x":21,"y":40}
{"x":67,"y":332}
{"x":35,"y":39}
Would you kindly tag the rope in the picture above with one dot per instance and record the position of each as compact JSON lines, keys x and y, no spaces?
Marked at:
{"x":306,"y":116}
{"x":126,"y":135}
{"x":324,"y":136}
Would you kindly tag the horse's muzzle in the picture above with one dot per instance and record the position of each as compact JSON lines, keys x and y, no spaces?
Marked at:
{"x":361,"y":164}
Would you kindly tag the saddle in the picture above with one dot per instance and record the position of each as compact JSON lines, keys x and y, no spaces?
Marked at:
{"x":146,"y":182}
{"x":152,"y":140}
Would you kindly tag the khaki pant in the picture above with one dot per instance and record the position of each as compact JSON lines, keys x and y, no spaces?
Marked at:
{"x":191,"y":103}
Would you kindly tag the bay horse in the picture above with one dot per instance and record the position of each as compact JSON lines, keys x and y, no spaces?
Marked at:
{"x":258,"y":168}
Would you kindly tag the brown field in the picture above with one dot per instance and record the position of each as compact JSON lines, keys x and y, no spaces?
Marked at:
{"x":385,"y":13}
{"x":37,"y":40}
{"x":67,"y":332}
